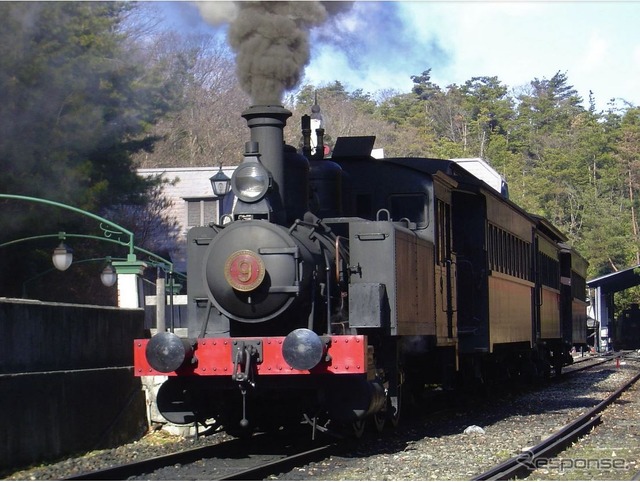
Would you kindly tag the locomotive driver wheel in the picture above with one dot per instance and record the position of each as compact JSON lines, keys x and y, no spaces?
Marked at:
{"x":359,"y":426}
{"x":394,"y":417}
{"x":394,"y":401}
{"x":379,"y":419}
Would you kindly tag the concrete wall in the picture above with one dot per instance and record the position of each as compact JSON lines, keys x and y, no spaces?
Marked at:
{"x":66,"y":382}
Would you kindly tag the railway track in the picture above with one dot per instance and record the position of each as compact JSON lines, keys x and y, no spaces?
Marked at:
{"x":236,"y":459}
{"x":283,"y":465}
{"x":522,"y":464}
{"x":586,"y":363}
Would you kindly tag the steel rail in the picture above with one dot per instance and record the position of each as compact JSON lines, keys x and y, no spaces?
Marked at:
{"x":284,"y":464}
{"x":529,"y":459}
{"x":228,"y":449}
{"x":124,"y":471}
{"x":570,"y":369}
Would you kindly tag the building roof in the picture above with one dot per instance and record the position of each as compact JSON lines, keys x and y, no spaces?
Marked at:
{"x":186,"y":183}
{"x":618,"y":281}
{"x":193,"y":181}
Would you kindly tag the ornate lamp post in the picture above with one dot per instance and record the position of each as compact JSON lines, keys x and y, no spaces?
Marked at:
{"x":220,"y":182}
{"x":108,"y":275}
{"x":128,"y":272}
{"x":62,"y":257}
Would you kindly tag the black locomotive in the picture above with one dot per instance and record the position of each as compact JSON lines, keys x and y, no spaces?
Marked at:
{"x":625,"y":331}
{"x":337,"y":285}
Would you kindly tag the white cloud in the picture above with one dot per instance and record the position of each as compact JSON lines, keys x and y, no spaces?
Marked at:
{"x":595,"y":52}
{"x":378,"y":46}
{"x":519,"y":41}
{"x":636,"y":56}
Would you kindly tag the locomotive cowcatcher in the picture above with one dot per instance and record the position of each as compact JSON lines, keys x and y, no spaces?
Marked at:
{"x":335,"y":287}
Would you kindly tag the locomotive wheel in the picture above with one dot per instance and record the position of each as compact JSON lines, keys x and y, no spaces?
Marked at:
{"x":394,"y":415}
{"x":359,"y":426}
{"x":379,"y":419}
{"x":394,"y":401}
{"x":209,"y":428}
{"x":557,"y":369}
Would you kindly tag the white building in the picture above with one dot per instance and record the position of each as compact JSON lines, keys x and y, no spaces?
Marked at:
{"x":193,"y":201}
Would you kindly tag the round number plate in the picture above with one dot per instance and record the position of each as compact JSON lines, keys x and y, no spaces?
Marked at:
{"x":244,"y":270}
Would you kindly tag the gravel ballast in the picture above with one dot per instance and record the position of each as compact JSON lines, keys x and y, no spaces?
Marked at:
{"x":436,"y":447}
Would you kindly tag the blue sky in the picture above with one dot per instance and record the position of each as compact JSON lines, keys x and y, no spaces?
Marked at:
{"x":379,"y":45}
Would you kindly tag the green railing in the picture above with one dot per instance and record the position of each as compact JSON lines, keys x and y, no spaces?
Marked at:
{"x":109,"y":230}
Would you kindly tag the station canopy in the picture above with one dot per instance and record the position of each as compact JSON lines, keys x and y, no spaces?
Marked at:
{"x":618,"y":281}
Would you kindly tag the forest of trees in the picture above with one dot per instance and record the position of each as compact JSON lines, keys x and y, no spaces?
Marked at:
{"x":87,"y":101}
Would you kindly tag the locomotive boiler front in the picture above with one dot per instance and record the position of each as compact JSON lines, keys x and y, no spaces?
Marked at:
{"x":264,"y":272}
{"x":262,"y":264}
{"x":254,"y":271}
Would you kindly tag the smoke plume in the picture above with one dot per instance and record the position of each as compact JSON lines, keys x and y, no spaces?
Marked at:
{"x":271,"y":41}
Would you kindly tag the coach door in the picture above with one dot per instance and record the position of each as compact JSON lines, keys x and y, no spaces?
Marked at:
{"x":469,"y":234}
{"x":445,"y":262}
{"x":445,"y":265}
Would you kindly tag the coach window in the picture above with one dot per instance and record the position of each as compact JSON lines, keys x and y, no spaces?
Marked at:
{"x":514,"y":255}
{"x":490,"y":248}
{"x":410,"y":206}
{"x":549,"y":271}
{"x":363,"y":206}
{"x":495,"y":244}
{"x":578,"y":286}
{"x":443,"y":231}
{"x":502,"y":252}
{"x":509,"y":240}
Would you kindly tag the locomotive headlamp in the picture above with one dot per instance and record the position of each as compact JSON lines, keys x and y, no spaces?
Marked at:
{"x":302,"y":349}
{"x":250,"y":181}
{"x":166,"y":352}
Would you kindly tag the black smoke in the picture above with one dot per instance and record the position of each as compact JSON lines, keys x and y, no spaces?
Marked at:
{"x":271,"y":41}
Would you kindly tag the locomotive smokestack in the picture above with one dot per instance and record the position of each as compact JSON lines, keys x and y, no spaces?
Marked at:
{"x":267,"y":123}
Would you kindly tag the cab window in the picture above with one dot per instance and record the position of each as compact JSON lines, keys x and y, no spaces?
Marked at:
{"x":410,"y":206}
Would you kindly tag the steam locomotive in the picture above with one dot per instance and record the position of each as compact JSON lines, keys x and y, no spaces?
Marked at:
{"x":625,"y":330}
{"x":338,"y":286}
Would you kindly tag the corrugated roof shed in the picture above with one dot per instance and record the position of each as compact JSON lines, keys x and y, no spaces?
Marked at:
{"x":618,"y":281}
